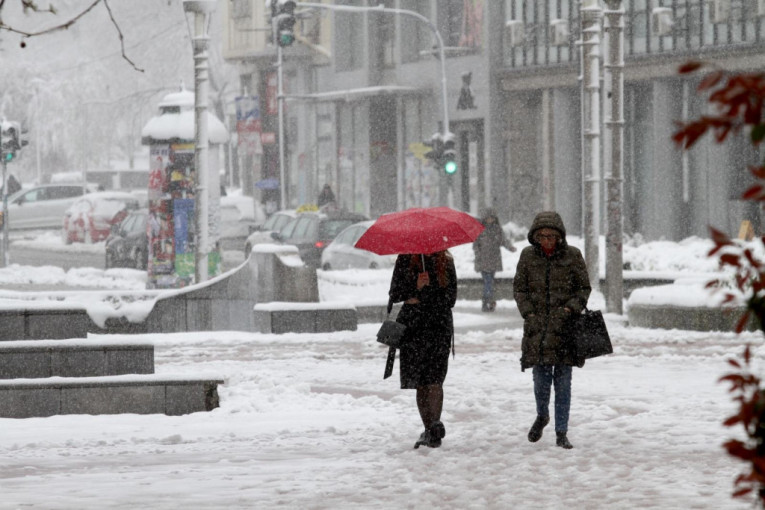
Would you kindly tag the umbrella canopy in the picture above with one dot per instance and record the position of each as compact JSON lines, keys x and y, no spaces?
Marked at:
{"x":419,"y":230}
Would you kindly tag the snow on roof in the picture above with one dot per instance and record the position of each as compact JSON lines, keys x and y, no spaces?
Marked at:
{"x":183,"y":98}
{"x":180,"y":126}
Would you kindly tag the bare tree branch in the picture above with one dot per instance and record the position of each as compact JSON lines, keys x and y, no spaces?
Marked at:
{"x":122,"y":38}
{"x":29,"y":4}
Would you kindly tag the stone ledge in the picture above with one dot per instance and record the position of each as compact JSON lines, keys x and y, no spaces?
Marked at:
{"x":688,"y":318}
{"x":108,"y":395}
{"x":72,"y":359}
{"x":303,"y":318}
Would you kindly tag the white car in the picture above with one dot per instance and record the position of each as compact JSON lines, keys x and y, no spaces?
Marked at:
{"x":342,"y":254}
{"x":43,"y":206}
{"x":274,"y":223}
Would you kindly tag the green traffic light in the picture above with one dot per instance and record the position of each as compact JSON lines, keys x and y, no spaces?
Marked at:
{"x":450,"y":167}
{"x":286,"y":39}
{"x":9,"y":156}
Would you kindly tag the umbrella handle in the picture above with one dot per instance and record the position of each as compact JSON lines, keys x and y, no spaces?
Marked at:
{"x":422,"y":256}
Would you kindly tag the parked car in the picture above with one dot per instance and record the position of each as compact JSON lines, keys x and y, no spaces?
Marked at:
{"x":262,"y":234}
{"x":342,"y":254}
{"x":128,"y":243}
{"x":313,"y":231}
{"x":43,"y":206}
{"x":90,"y":218}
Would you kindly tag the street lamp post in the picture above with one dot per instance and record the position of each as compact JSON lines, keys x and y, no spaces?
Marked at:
{"x":590,"y":15}
{"x":201,"y":10}
{"x":614,"y":67}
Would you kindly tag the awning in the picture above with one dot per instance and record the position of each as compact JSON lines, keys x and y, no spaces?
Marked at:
{"x":357,"y":94}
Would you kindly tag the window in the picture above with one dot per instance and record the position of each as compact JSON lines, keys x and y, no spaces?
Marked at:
{"x":127,"y":224}
{"x":416,"y":37}
{"x":302,"y":227}
{"x":139,"y":224}
{"x":461,"y":23}
{"x":384,"y":28}
{"x":58,"y":192}
{"x":346,"y":237}
{"x":349,"y":39}
{"x":32,"y":196}
{"x":330,"y":228}
{"x":286,"y":232}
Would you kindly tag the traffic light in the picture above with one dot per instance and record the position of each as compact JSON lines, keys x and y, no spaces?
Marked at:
{"x":285,"y":22}
{"x":449,"y":158}
{"x":10,"y":139}
{"x":436,"y":144}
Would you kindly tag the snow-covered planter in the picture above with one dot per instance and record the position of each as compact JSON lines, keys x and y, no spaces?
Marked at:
{"x":686,"y":304}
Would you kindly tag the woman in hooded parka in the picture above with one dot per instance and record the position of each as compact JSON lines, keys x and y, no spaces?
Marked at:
{"x":551,"y":284}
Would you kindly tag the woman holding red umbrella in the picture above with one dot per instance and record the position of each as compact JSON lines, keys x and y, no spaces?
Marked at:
{"x":427,"y":284}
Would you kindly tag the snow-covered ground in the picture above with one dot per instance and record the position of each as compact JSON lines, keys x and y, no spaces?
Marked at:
{"x":306,"y":421}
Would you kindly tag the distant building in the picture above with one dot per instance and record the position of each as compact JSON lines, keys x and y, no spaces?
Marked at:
{"x":370,"y":92}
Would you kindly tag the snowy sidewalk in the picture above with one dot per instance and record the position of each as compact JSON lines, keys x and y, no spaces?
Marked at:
{"x":306,"y":421}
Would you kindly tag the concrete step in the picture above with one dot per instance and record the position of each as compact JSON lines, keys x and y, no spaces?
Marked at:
{"x":283,"y":317}
{"x":74,"y":358}
{"x":139,"y":394}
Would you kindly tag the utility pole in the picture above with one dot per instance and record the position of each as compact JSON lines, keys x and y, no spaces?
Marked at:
{"x":201,"y":10}
{"x":590,"y":15}
{"x":614,"y":67}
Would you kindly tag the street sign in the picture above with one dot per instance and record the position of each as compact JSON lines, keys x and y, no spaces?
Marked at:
{"x":418,"y":149}
{"x":248,"y":125}
{"x":247,"y":107}
{"x":267,"y":184}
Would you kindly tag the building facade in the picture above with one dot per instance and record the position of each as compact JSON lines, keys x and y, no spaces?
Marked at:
{"x":364,"y":90}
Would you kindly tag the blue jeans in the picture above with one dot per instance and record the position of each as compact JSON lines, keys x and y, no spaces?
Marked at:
{"x":544,"y":377}
{"x":488,"y":286}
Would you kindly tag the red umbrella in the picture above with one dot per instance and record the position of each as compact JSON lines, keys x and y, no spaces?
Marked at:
{"x":418,"y":230}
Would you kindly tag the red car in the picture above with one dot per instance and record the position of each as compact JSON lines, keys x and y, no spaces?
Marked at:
{"x":91,"y":217}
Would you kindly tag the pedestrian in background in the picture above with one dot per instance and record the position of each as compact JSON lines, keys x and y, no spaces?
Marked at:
{"x":488,"y":256}
{"x":550,"y":286}
{"x":326,"y":196}
{"x":427,"y":284}
{"x":13,"y":185}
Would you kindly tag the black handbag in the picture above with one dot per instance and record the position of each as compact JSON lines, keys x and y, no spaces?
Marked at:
{"x":390,"y":333}
{"x":590,"y":335}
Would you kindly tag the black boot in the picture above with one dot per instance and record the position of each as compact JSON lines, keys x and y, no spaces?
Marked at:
{"x":432,"y":437}
{"x":535,"y":432}
{"x":423,"y":440}
{"x":485,"y":306}
{"x":563,"y":441}
{"x":437,"y":433}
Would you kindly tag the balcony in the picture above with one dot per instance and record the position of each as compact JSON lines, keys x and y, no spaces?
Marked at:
{"x":545,"y":33}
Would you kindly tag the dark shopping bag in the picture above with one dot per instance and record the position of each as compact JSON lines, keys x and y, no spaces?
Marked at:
{"x":590,"y":335}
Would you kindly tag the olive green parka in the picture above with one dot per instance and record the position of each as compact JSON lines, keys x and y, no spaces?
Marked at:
{"x":543,"y":287}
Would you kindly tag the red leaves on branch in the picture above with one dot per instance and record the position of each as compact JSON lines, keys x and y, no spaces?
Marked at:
{"x":745,"y":387}
{"x":737,"y":102}
{"x":690,"y":66}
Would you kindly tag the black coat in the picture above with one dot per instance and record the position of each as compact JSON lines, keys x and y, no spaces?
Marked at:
{"x":430,"y":327}
{"x":543,"y":287}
